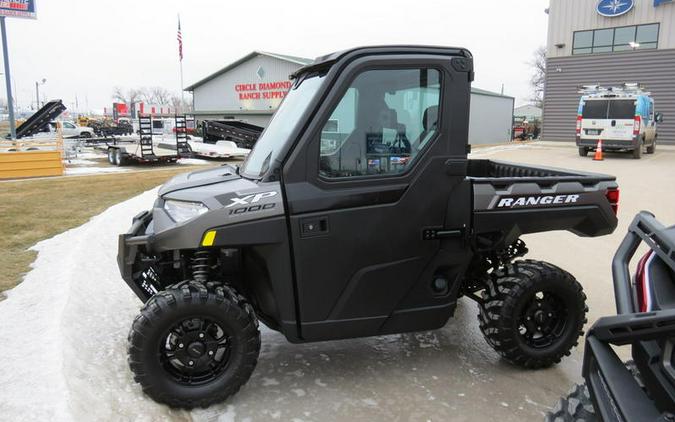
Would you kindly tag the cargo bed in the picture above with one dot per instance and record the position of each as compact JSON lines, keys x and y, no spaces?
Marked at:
{"x":513,"y":199}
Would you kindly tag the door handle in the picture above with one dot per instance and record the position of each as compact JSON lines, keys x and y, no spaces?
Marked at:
{"x":313,"y":226}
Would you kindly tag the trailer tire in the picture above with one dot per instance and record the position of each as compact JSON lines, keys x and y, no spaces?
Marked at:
{"x":583,"y":152}
{"x":120,"y":159}
{"x":112,"y":156}
{"x":214,"y":330}
{"x":533,"y":313}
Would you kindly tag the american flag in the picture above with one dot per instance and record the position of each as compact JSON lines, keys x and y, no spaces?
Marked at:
{"x":179,"y":37}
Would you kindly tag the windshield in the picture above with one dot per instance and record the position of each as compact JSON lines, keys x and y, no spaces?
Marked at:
{"x":275,"y":136}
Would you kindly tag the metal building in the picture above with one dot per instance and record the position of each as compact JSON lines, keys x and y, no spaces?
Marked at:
{"x":252,"y":88}
{"x":608,"y":42}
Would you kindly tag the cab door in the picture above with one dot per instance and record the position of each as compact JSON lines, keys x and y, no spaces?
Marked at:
{"x":378,"y":200}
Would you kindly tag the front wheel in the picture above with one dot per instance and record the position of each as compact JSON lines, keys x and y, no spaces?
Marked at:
{"x":652,"y":147}
{"x":637,"y":152}
{"x":575,"y":407}
{"x":192,"y":346}
{"x":583,"y":152}
{"x":533,"y":313}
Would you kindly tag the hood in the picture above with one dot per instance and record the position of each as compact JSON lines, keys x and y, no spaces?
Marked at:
{"x":199,"y":178}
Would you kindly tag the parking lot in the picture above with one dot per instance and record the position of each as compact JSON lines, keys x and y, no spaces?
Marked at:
{"x":78,"y":369}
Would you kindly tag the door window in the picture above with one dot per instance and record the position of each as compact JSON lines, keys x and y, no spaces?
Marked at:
{"x":386,"y":117}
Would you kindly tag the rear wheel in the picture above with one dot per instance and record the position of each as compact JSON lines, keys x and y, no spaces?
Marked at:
{"x":583,"y":151}
{"x":651,"y":148}
{"x":637,"y":152}
{"x":192,"y":346}
{"x":112,"y":156}
{"x":533,"y":313}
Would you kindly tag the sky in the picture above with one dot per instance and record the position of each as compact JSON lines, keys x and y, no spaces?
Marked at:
{"x":84,"y":48}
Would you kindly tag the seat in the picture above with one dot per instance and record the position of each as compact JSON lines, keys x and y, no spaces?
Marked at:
{"x":429,"y":125}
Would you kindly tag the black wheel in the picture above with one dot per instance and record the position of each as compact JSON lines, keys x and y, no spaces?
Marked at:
{"x":192,"y":347}
{"x":533,"y":313}
{"x":583,"y":152}
{"x":637,"y":152}
{"x":575,"y":407}
{"x":112,"y":156}
{"x":85,"y":135}
{"x":651,"y":148}
{"x":120,"y":160}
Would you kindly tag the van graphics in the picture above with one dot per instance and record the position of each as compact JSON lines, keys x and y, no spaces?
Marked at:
{"x":535,"y":201}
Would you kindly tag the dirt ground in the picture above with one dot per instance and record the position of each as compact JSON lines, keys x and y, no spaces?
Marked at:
{"x":447,"y":374}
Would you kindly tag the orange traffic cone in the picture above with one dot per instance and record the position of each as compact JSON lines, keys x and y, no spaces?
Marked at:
{"x":598,"y":151}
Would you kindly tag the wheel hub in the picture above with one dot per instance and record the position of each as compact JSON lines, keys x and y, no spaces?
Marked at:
{"x":543,"y":320}
{"x":195,"y":351}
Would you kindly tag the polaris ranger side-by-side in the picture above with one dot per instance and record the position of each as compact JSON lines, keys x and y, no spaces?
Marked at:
{"x":356,"y":214}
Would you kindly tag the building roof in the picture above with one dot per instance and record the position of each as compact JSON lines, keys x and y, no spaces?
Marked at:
{"x":479,"y":91}
{"x":292,"y":59}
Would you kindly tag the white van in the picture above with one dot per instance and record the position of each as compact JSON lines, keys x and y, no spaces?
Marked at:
{"x":622,"y":117}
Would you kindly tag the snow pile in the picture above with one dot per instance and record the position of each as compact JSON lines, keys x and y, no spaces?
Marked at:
{"x":63,"y":329}
{"x":94,"y":170}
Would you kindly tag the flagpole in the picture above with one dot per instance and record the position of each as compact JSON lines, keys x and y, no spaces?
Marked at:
{"x":180,"y":60}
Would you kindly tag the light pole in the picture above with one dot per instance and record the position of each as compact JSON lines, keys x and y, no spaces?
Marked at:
{"x":37,"y":91}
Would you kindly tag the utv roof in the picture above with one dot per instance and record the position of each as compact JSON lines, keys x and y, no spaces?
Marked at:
{"x":329,"y":59}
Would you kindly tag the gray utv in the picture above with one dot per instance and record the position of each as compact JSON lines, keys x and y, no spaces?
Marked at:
{"x":356,"y":214}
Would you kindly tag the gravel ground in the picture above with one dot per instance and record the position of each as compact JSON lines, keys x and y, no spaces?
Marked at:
{"x":63,"y":332}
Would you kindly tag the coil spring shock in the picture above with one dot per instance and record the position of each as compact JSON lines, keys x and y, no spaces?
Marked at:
{"x":200,"y":266}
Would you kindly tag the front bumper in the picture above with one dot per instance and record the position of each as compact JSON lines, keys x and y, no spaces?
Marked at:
{"x":129,"y":244}
{"x":617,"y":395}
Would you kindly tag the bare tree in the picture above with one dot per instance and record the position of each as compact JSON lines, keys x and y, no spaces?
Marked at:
{"x":129,"y":97}
{"x":161,"y":96}
{"x":538,"y":78}
{"x":180,"y":105}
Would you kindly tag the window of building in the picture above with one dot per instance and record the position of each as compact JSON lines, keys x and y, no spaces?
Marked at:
{"x":623,"y":38}
{"x":386,"y":118}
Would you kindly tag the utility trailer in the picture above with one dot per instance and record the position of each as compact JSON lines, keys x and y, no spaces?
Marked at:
{"x":245,"y":135}
{"x":144,"y":150}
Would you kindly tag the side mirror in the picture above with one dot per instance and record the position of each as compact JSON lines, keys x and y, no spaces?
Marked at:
{"x":658,"y":117}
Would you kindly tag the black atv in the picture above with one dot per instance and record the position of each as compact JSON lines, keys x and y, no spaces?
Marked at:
{"x":642,"y":389}
{"x":374,"y":227}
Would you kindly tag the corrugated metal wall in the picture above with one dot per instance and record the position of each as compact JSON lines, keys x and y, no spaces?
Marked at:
{"x":567,"y":16}
{"x":653,"y":68}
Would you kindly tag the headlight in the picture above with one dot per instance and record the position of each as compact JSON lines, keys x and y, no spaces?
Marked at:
{"x":182,"y":211}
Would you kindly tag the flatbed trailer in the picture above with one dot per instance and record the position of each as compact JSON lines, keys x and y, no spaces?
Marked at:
{"x":144,"y":150}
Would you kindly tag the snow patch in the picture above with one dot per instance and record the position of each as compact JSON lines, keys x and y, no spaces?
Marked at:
{"x":94,"y":170}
